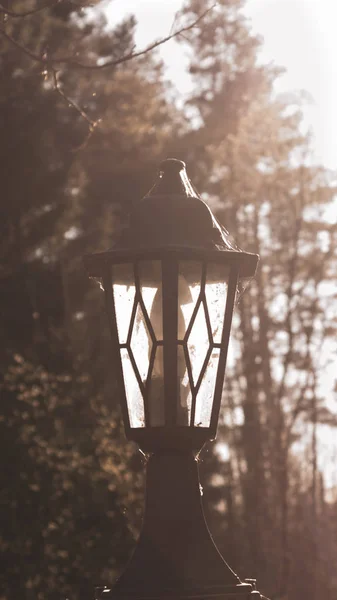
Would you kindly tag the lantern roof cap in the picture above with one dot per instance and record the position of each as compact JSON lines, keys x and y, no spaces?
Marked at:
{"x":173,"y":215}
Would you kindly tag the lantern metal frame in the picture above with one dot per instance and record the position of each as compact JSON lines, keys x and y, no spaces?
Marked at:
{"x":232,"y":266}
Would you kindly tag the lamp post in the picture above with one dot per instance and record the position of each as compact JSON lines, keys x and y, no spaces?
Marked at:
{"x":170,"y":286}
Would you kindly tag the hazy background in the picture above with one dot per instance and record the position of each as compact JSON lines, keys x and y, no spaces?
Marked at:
{"x":81,"y":139}
{"x":299,"y":35}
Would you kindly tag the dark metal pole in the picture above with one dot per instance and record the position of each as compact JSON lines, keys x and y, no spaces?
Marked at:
{"x":176,"y":556}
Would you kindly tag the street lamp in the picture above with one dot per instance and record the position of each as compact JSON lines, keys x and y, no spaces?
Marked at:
{"x":170,"y":286}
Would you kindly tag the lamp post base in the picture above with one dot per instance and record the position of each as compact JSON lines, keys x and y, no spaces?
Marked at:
{"x":176,"y":557}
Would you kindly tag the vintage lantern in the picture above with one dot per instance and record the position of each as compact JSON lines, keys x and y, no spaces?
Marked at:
{"x":170,"y":286}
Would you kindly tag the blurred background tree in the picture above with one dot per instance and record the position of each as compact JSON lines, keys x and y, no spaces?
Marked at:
{"x":72,"y":488}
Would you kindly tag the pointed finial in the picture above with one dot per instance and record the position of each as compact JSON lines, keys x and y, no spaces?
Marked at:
{"x":171,"y":165}
{"x":173,"y":180}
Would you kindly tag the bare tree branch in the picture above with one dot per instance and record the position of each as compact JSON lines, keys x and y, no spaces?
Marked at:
{"x":50,"y":64}
{"x":72,"y":103}
{"x":69,"y":61}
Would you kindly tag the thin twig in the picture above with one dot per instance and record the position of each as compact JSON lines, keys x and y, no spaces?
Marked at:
{"x":23,"y":49}
{"x":173,"y":23}
{"x":72,"y":103}
{"x":92,"y":124}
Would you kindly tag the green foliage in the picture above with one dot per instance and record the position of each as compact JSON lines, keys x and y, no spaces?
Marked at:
{"x":66,"y":483}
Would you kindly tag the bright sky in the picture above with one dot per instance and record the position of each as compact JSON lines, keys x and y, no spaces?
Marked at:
{"x":298,"y":34}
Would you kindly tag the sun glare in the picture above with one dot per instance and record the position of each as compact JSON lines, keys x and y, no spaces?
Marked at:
{"x":301,"y":36}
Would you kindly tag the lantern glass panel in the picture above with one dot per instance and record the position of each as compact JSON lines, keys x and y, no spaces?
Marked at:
{"x":216,"y":296}
{"x":141,"y":343}
{"x":156,"y":390}
{"x":192,"y":336}
{"x":150,"y":278}
{"x":205,"y":394}
{"x":133,"y":393}
{"x":184,"y":400}
{"x":198,"y":343}
{"x":192,"y":326}
{"x":202,"y":296}
{"x":124,"y":292}
{"x":189,"y":283}
{"x":150,"y":282}
{"x":137,"y":290}
{"x":138,"y":298}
